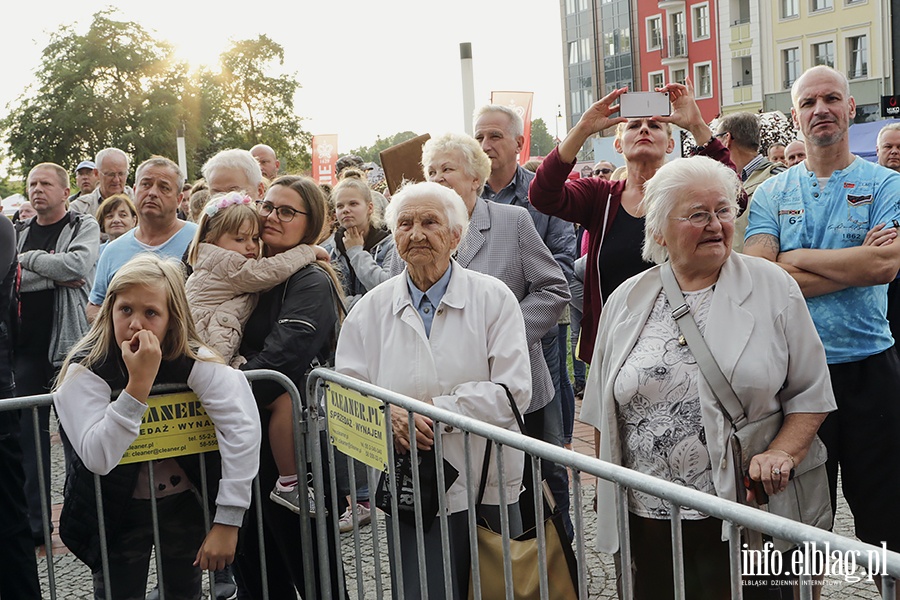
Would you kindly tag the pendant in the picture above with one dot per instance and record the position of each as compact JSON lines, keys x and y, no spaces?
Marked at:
{"x":682,"y":341}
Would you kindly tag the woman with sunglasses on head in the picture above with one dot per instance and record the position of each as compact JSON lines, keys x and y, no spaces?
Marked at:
{"x":612,"y":211}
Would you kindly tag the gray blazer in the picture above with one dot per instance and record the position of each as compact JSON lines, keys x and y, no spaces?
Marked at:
{"x":502,"y":241}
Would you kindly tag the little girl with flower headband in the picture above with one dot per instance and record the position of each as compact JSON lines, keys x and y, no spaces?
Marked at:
{"x":222,"y":291}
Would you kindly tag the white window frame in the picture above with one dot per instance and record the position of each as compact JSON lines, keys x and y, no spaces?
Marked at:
{"x":697,"y":80}
{"x":673,"y":78}
{"x":814,"y":56}
{"x":784,"y":65}
{"x":650,"y":76}
{"x":658,"y":19}
{"x":694,"y":11}
{"x":868,"y":58}
{"x":782,"y":5}
{"x":812,"y":6}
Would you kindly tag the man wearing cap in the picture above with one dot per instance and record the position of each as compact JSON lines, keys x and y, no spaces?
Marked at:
{"x":85,"y":179}
{"x":111,"y":169}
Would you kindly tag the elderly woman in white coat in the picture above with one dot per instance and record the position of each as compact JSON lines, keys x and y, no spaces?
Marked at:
{"x":646,"y":395}
{"x":451,"y":337}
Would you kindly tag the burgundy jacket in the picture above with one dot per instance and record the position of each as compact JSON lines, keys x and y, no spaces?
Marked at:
{"x":593,"y":203}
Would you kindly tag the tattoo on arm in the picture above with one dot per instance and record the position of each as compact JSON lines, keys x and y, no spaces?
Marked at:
{"x":764,"y":244}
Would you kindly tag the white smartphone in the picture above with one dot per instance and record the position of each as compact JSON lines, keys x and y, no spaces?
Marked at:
{"x":644,"y":104}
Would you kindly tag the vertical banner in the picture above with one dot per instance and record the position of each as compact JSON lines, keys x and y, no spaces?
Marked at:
{"x":324,"y":158}
{"x":521,"y":103}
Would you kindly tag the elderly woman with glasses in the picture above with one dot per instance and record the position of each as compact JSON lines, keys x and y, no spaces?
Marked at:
{"x":454,"y":338}
{"x":648,"y":396}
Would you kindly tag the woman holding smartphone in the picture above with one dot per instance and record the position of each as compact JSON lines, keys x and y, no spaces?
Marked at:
{"x":612,"y":211}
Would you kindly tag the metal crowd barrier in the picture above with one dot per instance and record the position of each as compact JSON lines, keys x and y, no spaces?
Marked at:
{"x":34,"y":402}
{"x":310,"y":452}
{"x":735,"y":515}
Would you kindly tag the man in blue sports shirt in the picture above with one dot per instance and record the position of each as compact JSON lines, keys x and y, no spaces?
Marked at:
{"x":829,"y":222}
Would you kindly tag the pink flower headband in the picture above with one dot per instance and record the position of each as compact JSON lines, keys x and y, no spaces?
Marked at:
{"x":224,"y":201}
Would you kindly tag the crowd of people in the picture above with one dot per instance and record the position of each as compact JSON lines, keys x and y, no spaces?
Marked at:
{"x":458,"y":291}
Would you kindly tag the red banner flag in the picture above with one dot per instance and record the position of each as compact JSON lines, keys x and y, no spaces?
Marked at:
{"x":324,"y":158}
{"x":521,"y":103}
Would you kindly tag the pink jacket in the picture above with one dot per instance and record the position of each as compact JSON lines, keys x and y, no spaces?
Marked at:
{"x":222,"y":291}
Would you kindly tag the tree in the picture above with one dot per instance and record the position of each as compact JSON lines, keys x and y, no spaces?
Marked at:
{"x":541,"y":140}
{"x":118,"y":85}
{"x":113,"y":85}
{"x":373,"y":153}
{"x":263,"y":103}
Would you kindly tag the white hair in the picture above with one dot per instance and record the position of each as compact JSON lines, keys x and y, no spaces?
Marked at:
{"x":235,"y":159}
{"x":516,"y":124}
{"x":663,"y":191}
{"x":454,"y":207}
{"x":112,"y":152}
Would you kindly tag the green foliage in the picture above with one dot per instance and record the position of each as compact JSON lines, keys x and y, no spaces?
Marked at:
{"x":8,"y":187}
{"x":541,"y":140}
{"x":372,"y":153}
{"x":118,"y":85}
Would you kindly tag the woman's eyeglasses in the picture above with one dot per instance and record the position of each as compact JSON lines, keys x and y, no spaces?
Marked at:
{"x":702,"y":218}
{"x":285,"y":214}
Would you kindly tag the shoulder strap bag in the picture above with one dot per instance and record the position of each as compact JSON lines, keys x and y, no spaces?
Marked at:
{"x":562,"y":568}
{"x":806,"y":498}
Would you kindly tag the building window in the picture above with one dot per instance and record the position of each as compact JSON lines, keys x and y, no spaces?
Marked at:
{"x":573,"y":53}
{"x":654,"y":33}
{"x":679,"y":76}
{"x":585,"y":49}
{"x":790,"y":8}
{"x":821,"y":5}
{"x":677,"y":41}
{"x":570,"y":7}
{"x":791,"y":62}
{"x":858,"y":57}
{"x":701,"y":21}
{"x":823,"y":54}
{"x":656,"y":80}
{"x":703,"y":80}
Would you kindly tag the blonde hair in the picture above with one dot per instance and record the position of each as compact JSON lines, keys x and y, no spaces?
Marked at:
{"x":214,"y":222}
{"x":146,"y":270}
{"x":354,"y":179}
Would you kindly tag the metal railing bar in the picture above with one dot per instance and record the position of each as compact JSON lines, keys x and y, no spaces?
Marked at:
{"x":154,"y":519}
{"x":442,"y":507}
{"x":397,"y":564}
{"x":471,"y":492}
{"x":417,"y":503}
{"x":624,"y":542}
{"x":45,"y":506}
{"x":745,"y":516}
{"x":677,"y":552}
{"x":578,"y":496}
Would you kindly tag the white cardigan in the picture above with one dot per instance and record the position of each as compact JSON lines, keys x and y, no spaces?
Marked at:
{"x":477,"y":341}
{"x":101,"y":431}
{"x":761,"y":334}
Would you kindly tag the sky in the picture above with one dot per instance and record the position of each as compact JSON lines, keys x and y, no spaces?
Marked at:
{"x":366,"y":68}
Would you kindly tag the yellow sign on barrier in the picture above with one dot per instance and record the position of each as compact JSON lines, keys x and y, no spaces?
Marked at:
{"x":356,"y":425}
{"x":174,"y":425}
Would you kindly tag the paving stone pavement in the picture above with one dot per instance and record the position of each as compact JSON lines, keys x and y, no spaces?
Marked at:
{"x":72,"y":578}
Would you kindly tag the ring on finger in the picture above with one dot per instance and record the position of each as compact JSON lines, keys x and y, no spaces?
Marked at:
{"x":776,"y":472}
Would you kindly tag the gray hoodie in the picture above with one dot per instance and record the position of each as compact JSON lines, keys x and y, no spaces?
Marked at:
{"x":75,"y":257}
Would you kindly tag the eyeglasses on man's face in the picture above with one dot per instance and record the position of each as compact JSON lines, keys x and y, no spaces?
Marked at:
{"x":702,"y":218}
{"x":602,"y":171}
{"x":285,"y":214}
